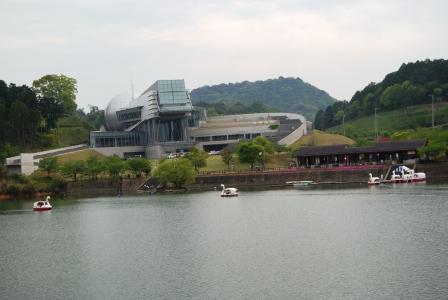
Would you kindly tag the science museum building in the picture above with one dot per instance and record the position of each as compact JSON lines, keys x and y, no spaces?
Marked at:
{"x":163,"y":120}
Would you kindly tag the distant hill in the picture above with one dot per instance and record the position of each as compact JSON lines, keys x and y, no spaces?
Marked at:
{"x":320,"y":138}
{"x":281,"y":94}
{"x":412,"y":84}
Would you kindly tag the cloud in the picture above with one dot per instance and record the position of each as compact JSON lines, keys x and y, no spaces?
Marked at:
{"x":338,"y":46}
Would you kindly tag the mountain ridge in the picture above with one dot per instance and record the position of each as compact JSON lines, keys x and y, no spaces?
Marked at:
{"x":284,"y":94}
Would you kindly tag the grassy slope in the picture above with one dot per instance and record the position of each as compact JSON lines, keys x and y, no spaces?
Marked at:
{"x":71,"y":130}
{"x":410,"y":118}
{"x":320,"y":138}
{"x":80,"y":155}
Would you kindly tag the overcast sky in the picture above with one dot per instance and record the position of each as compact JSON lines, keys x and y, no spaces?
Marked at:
{"x":338,"y":46}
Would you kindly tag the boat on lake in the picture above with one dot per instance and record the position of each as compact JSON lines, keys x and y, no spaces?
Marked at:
{"x":229,"y":192}
{"x":400,"y":174}
{"x":373,"y":180}
{"x":403,"y":174}
{"x":42,"y":205}
{"x":301,"y":183}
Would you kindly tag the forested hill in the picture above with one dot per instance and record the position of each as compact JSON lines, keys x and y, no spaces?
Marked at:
{"x":281,"y":94}
{"x":412,"y":84}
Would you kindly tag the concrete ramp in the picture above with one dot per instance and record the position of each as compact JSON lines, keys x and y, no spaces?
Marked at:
{"x":294,"y":136}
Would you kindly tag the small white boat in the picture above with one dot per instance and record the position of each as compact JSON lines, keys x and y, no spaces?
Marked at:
{"x":301,"y":183}
{"x":373,"y":180}
{"x":42,"y":205}
{"x":228,"y":192}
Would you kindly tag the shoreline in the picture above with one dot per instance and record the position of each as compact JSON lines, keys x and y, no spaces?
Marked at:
{"x":258,"y":180}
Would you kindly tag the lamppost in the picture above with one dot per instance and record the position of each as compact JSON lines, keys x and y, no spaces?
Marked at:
{"x":432,"y":110}
{"x":376,"y":126}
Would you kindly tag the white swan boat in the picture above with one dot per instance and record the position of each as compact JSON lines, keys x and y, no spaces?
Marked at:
{"x":42,"y":205}
{"x":229,"y":192}
{"x":373,"y":180}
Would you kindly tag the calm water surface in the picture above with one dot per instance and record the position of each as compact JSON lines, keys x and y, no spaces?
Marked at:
{"x":388,"y":242}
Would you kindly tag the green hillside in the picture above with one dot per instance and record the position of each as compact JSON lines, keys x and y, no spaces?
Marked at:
{"x":281,"y":94}
{"x":389,"y":122}
{"x":412,"y":84}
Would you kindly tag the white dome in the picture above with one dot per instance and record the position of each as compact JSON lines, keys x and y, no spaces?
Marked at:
{"x":118,"y":102}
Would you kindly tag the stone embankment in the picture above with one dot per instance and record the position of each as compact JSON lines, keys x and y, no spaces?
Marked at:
{"x":437,"y":172}
{"x":103,"y":187}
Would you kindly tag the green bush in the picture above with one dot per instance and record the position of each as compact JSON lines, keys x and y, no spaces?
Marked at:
{"x":27,"y":189}
{"x":18,"y":178}
{"x":13,"y":189}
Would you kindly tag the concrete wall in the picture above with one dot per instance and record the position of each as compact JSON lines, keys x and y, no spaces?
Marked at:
{"x":103,"y":187}
{"x":280,"y":178}
{"x":109,"y":151}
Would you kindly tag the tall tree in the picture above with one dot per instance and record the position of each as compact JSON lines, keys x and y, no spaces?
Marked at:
{"x":18,"y":116}
{"x":114,"y":165}
{"x":139,"y":165}
{"x":249,"y":152}
{"x":94,"y":166}
{"x":59,"y":87}
{"x":197,"y":157}
{"x":49,"y":164}
{"x":73,"y":168}
{"x":175,"y":171}
{"x":227,"y":156}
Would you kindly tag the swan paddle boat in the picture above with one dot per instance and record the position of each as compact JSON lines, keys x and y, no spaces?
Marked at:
{"x":42,"y":205}
{"x":228,"y":192}
{"x":373,"y":180}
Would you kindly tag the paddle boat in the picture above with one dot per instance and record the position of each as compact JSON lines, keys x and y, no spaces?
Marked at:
{"x":403,"y":174}
{"x":42,"y":205}
{"x":228,"y":192}
{"x":373,"y":180}
{"x":301,"y":183}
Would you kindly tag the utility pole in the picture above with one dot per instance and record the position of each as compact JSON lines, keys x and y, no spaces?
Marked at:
{"x":376,"y":126}
{"x":343,"y":122}
{"x":432,"y":110}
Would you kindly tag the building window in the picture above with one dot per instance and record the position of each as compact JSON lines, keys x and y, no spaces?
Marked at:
{"x":219,"y":137}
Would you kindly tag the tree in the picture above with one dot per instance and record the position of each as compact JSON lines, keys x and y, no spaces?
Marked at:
{"x":139,"y":165}
{"x":59,"y":87}
{"x":197,"y":157}
{"x":268,"y":148}
{"x":18,"y":116}
{"x":94,"y":166}
{"x":226,"y":156}
{"x":114,"y":165}
{"x":434,"y":150}
{"x":249,"y":152}
{"x":49,"y":164}
{"x":280,"y":148}
{"x":175,"y":171}
{"x":73,"y":168}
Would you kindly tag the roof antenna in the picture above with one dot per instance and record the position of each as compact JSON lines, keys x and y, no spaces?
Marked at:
{"x":132,"y":87}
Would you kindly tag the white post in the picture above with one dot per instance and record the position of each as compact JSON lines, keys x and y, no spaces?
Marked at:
{"x":432,"y":111}
{"x":376,"y":126}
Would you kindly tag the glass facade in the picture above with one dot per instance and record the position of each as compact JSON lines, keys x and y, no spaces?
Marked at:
{"x":172,"y":92}
{"x":116,"y":138}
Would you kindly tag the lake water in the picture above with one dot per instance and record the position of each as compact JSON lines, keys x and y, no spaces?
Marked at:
{"x":388,"y":242}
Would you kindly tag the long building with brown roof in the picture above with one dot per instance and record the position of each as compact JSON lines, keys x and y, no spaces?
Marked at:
{"x":343,"y":155}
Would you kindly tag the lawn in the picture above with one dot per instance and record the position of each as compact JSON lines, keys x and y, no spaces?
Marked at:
{"x":320,"y":138}
{"x":79,"y":155}
{"x":215,"y":163}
